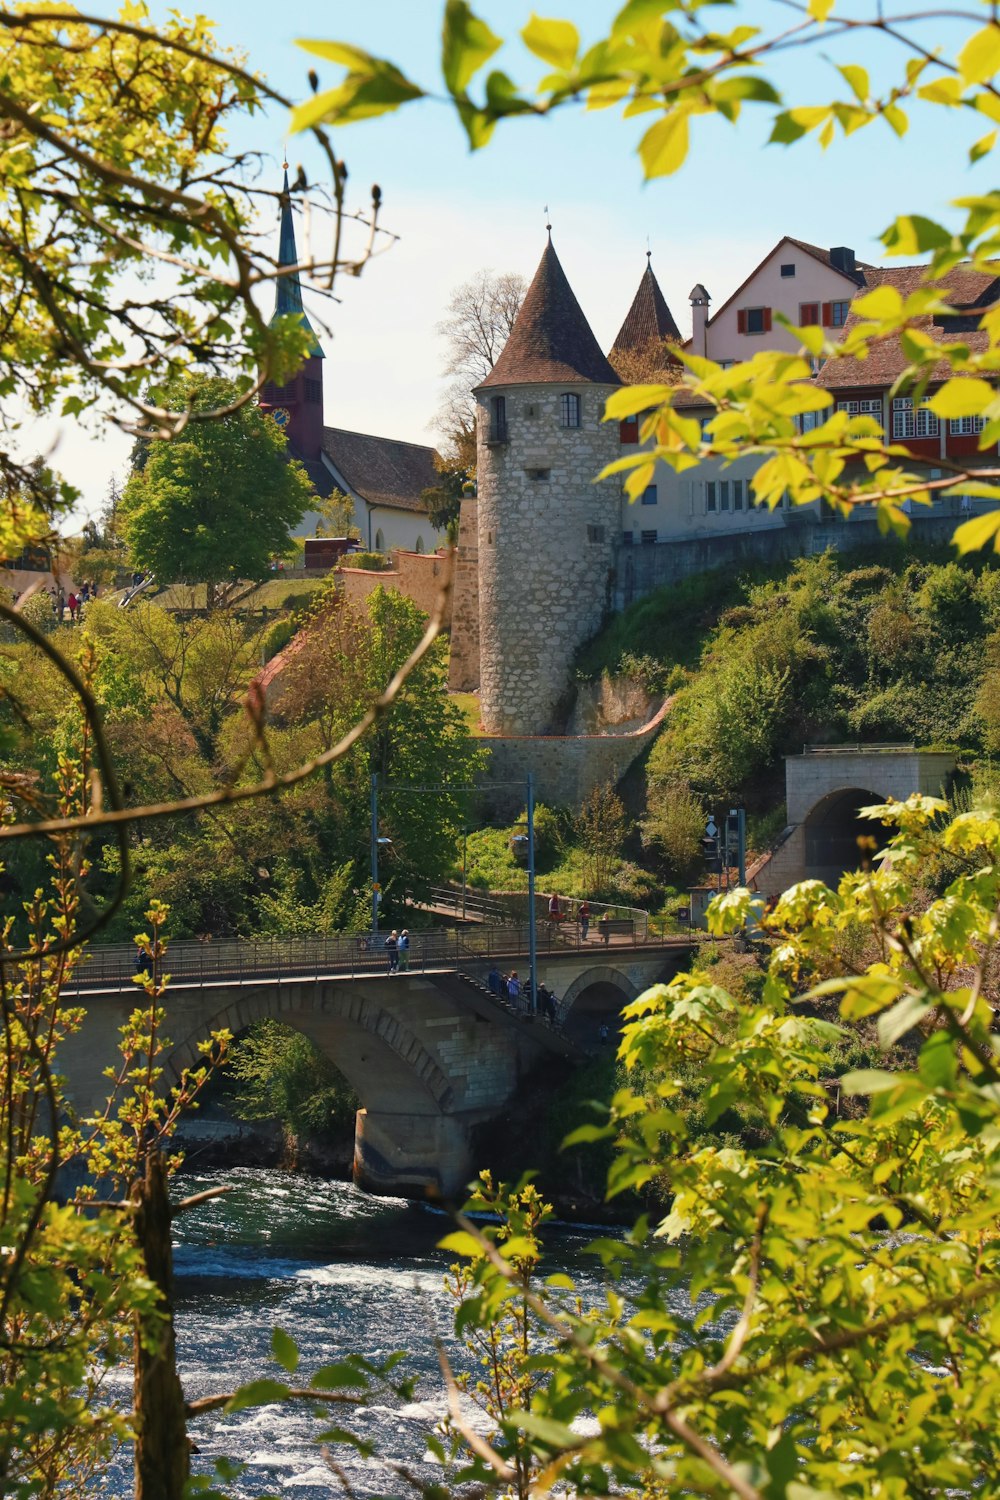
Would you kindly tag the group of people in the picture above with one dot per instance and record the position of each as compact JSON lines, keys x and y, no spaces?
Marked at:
{"x":397,"y":951}
{"x":73,"y":602}
{"x":558,"y":913}
{"x":517,"y":993}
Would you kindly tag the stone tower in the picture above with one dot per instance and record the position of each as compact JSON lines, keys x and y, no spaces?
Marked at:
{"x":301,"y":397}
{"x":547,"y":533}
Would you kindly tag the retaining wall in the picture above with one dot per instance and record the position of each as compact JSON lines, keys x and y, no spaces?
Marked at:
{"x":419,"y":576}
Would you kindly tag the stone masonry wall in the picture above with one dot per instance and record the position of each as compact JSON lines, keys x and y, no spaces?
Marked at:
{"x":463,"y":670}
{"x":546,"y":550}
{"x":419,"y":576}
{"x":640,"y":570}
{"x":566,"y":768}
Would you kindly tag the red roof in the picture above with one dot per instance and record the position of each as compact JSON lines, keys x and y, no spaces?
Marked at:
{"x":969,"y":291}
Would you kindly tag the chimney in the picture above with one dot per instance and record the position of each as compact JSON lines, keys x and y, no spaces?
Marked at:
{"x":699,"y":300}
{"x":842,"y":259}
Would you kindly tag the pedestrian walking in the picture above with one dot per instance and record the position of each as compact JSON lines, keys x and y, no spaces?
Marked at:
{"x":392,"y":951}
{"x":494,"y":980}
{"x":514,"y":990}
{"x":403,"y":950}
{"x":74,"y":605}
{"x":604,"y":928}
{"x":555,"y":910}
{"x":583,"y":913}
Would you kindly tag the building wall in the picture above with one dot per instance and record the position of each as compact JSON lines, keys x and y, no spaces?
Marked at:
{"x":463,"y":670}
{"x":546,"y":549}
{"x":813,"y":282}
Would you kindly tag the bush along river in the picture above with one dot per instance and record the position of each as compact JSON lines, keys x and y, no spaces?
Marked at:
{"x":342,"y":1273}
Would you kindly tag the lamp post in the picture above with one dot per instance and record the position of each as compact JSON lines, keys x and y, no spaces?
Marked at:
{"x":532,"y":935}
{"x":376,"y":845}
{"x":465,"y":838}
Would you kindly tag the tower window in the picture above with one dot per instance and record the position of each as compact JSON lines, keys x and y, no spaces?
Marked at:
{"x":288,"y":392}
{"x":538,"y":474}
{"x":314,"y":391}
{"x":498,"y":420}
{"x":569,"y":409}
{"x":595,"y":533}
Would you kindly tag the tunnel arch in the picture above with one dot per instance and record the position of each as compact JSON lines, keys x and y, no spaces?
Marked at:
{"x":382,"y":1060}
{"x":832,"y":829}
{"x":595,"y":998}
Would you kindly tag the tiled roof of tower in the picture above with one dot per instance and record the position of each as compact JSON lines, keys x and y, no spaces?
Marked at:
{"x":649,"y":319}
{"x":551,"y":341}
{"x":382,"y":470}
{"x":969,"y":291}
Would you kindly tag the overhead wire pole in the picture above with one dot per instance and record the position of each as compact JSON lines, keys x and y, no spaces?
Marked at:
{"x":532,"y":934}
{"x":374,"y":853}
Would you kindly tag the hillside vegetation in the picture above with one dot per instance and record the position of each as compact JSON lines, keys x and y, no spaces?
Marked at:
{"x":893,"y":646}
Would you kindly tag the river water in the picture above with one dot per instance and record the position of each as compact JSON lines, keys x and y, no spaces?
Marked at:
{"x":341,"y":1272}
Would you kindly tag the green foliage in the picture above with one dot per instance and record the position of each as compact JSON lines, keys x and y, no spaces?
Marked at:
{"x":828,"y":649}
{"x":276,"y":1073}
{"x":374,"y":562}
{"x":601,"y":826}
{"x":766,"y":1334}
{"x":675,"y":826}
{"x":219,"y":501}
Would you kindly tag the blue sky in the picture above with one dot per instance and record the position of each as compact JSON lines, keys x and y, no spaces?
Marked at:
{"x":456,"y":212}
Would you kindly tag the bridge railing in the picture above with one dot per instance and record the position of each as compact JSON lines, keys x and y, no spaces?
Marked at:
{"x":341,"y":954}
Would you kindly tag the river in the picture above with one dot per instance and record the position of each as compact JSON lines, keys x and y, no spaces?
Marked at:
{"x":341,"y":1272}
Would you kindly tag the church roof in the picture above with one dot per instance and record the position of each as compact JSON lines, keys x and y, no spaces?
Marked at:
{"x":382,"y":470}
{"x":551,"y":341}
{"x":649,"y":319}
{"x":288,"y":298}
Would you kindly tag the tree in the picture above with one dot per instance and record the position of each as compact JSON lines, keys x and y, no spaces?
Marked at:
{"x":479,"y":319}
{"x":218,"y":502}
{"x":753,"y":1331}
{"x":601,"y":826}
{"x":457,"y":478}
{"x":337,"y":512}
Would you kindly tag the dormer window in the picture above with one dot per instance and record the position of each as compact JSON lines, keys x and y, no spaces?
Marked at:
{"x":569,"y":409}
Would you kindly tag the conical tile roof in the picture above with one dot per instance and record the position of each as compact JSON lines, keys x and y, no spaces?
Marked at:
{"x":551,"y":341}
{"x":648,"y":320}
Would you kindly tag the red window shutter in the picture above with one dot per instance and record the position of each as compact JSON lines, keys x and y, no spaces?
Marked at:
{"x":827,"y":314}
{"x":767,"y":320}
{"x":628,"y":430}
{"x":741,"y":320}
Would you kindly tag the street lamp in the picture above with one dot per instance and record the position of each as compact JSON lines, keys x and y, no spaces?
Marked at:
{"x":376,"y":844}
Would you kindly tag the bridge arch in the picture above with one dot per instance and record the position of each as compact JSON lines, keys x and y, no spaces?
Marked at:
{"x":832,"y":828}
{"x":384,"y":1062}
{"x":595,"y":998}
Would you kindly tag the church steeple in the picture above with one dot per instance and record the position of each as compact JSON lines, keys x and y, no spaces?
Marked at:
{"x":551,"y":341}
{"x":289,"y":288}
{"x":649,"y":319}
{"x":298,"y":404}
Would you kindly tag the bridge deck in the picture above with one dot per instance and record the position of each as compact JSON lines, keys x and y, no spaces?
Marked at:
{"x":111,"y":969}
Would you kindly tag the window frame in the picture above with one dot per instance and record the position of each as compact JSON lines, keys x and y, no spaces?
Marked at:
{"x":710,"y":496}
{"x":570,"y":410}
{"x":907,"y":423}
{"x":649,"y":491}
{"x":804,"y":309}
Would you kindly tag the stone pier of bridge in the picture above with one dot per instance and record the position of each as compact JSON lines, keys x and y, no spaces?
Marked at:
{"x":429,"y":1054}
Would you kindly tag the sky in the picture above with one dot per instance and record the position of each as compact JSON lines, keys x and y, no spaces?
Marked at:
{"x":457,"y":212}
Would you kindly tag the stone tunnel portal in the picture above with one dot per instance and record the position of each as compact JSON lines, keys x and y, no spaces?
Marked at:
{"x":832,"y":831}
{"x":596,"y":1000}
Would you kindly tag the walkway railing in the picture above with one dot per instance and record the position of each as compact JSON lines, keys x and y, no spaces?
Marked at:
{"x":342,"y":955}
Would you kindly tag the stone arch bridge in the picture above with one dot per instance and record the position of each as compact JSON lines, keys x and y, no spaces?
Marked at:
{"x":430,"y":1053}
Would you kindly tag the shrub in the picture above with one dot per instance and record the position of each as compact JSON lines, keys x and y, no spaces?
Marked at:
{"x":375,"y":562}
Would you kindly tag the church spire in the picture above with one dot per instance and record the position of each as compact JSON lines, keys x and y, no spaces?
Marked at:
{"x":289,"y":288}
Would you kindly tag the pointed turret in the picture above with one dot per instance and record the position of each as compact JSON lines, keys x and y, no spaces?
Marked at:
{"x":551,"y":342}
{"x":297,"y":405}
{"x":649,"y":319}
